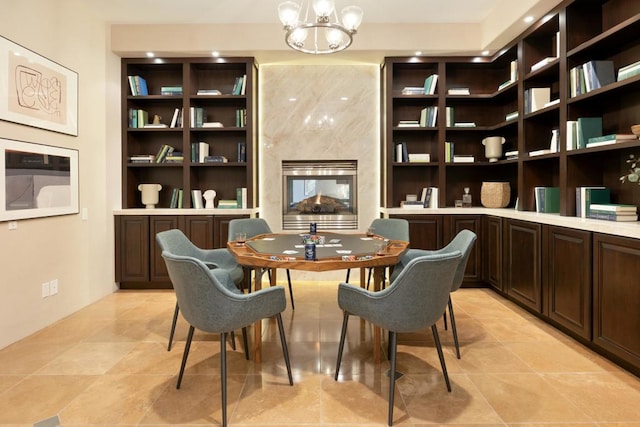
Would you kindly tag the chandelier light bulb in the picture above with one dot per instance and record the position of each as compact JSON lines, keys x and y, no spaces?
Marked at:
{"x":323,"y":8}
{"x":334,"y":38}
{"x":298,"y":36}
{"x":289,"y":11}
{"x":352,"y":17}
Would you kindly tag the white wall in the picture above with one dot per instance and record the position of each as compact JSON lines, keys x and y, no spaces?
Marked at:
{"x":79,"y":253}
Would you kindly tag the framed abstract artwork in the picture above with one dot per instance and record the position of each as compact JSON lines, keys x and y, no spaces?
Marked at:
{"x":37,"y":180}
{"x":36,"y":91}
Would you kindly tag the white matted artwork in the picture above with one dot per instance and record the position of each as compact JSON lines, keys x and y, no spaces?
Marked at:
{"x":37,"y":180}
{"x":36,"y":91}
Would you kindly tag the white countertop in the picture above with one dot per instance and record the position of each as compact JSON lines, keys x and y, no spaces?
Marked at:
{"x":166,"y":211}
{"x":624,"y":229}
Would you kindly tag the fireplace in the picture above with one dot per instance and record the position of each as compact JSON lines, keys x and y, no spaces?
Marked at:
{"x":323,"y":192}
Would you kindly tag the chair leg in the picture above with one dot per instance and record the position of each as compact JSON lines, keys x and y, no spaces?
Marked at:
{"x":285,"y":349}
{"x":348,"y":273}
{"x":223,"y":376}
{"x":392,"y":378}
{"x":173,"y":326}
{"x":293,"y":306}
{"x":444,"y":319}
{"x":187,"y":346}
{"x":245,"y":342}
{"x":436,"y":338}
{"x":232,"y":340}
{"x":369,"y":278}
{"x":345,"y":321}
{"x":453,"y":328}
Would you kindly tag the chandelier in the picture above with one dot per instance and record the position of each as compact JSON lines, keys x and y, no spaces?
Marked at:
{"x":321,"y":36}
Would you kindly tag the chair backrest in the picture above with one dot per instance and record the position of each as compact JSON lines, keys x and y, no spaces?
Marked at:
{"x":463,"y":242}
{"x":391,"y":228}
{"x":176,"y":242}
{"x":251,"y":226}
{"x":418,"y":296}
{"x":208,"y":305}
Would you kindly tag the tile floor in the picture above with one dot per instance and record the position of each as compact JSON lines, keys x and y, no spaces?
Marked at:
{"x":107,"y":365}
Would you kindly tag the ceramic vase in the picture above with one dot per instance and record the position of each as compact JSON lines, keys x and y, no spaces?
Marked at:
{"x":150,"y":194}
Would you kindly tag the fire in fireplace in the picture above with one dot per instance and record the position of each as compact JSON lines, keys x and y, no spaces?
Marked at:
{"x":322,"y":192}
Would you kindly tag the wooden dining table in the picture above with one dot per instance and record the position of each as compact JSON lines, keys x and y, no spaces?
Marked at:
{"x":334,"y":251}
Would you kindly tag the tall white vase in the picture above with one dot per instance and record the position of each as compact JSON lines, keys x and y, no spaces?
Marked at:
{"x":150,"y":194}
{"x":493,"y":147}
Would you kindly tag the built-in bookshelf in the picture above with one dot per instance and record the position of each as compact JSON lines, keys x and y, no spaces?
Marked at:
{"x":199,"y":104}
{"x":524,"y":94}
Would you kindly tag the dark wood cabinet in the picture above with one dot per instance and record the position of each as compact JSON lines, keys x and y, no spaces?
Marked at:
{"x":221,"y":229}
{"x":492,"y":251}
{"x":522,"y":263}
{"x":456,"y":223}
{"x":567,"y":279}
{"x":158,"y":270}
{"x":425,"y":231}
{"x":616,"y":298}
{"x":132,"y":249}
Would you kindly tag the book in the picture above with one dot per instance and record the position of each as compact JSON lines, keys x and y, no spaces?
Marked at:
{"x":613,"y":207}
{"x":215,"y":159}
{"x":463,"y":158}
{"x":540,"y":152}
{"x":586,"y":196}
{"x":227,"y":204}
{"x":610,"y":216}
{"x":448,"y":151}
{"x":141,"y":86}
{"x":459,"y":91}
{"x":543,"y":62}
{"x":412,"y":90}
{"x":430,"y":84}
{"x":163,"y":152}
{"x":241,"y":197}
{"x":429,"y":197}
{"x":174,"y":118}
{"x":588,"y":127}
{"x":203,"y":151}
{"x":242,"y":152}
{"x":598,"y":74}
{"x":180,"y":198}
{"x":401,"y":153}
{"x":196,"y":199}
{"x":171,"y":90}
{"x":208,"y":92}
{"x":174,"y":199}
{"x":511,"y":116}
{"x":411,"y":204}
{"x":572,"y":135}
{"x":613,"y":138}
{"x":428,"y":116}
{"x":449,"y":116}
{"x":419,"y":157}
{"x":155,"y":126}
{"x":629,"y":71}
{"x":547,"y":199}
{"x":211,"y":125}
{"x":535,"y":98}
{"x":464,"y":125}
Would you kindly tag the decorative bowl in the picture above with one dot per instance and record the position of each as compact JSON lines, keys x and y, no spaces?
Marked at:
{"x":635,"y":129}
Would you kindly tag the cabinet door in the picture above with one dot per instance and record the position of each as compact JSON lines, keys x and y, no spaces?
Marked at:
{"x":522,"y":263}
{"x":199,"y":229}
{"x":616,"y":297}
{"x":132,"y":249}
{"x":457,"y":223}
{"x":158,"y":272}
{"x":492,"y":252}
{"x":221,"y":229}
{"x":425,"y":231}
{"x":567,"y":279}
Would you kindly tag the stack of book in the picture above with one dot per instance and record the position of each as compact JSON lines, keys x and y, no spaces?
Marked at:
{"x":448,"y":151}
{"x":629,"y":71}
{"x":463,"y":158}
{"x":227,"y":204}
{"x":590,"y":76}
{"x":580,"y":131}
{"x":613,"y":212}
{"x":459,"y":91}
{"x":138,"y":86}
{"x":143,"y":158}
{"x":536,"y":98}
{"x":241,"y":117}
{"x":429,"y":197}
{"x":419,"y":157}
{"x":241,"y":198}
{"x":176,"y":120}
{"x":402,"y":154}
{"x":428,"y":117}
{"x":177,"y":196}
{"x":208,"y":92}
{"x":138,"y":118}
{"x":613,"y":138}
{"x":239,"y":86}
{"x":242,"y":152}
{"x":199,"y":151}
{"x":408,"y":124}
{"x":430,"y":84}
{"x":412,"y":90}
{"x":164,"y":151}
{"x":547,"y":199}
{"x":171,"y":90}
{"x":586,"y":196}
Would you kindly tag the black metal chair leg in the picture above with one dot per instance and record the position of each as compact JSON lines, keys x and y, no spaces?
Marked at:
{"x":348,"y":273}
{"x":173,"y":326}
{"x":453,"y":329}
{"x":392,"y":377}
{"x":232,"y":340}
{"x":444,"y":319}
{"x":436,"y":338}
{"x":223,"y":376}
{"x":345,"y":321}
{"x":293,"y":306}
{"x":285,"y":349}
{"x":185,"y":355}
{"x":369,"y":278}
{"x":245,"y":342}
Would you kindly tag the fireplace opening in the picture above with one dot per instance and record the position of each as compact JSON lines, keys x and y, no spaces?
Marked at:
{"x":323,"y":192}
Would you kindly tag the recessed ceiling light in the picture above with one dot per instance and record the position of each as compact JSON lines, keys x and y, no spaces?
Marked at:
{"x":485,"y":52}
{"x":215,"y":54}
{"x":528,"y":19}
{"x":418,"y":52}
{"x":150,"y":54}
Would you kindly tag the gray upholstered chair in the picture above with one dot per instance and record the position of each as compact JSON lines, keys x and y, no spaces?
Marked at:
{"x":176,"y":242}
{"x":209,"y":305}
{"x":254,"y":227}
{"x":463,"y":242}
{"x":415,"y":300}
{"x":389,"y":228}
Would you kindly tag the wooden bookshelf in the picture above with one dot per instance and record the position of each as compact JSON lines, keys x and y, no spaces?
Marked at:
{"x":575,"y":32}
{"x":192,"y":74}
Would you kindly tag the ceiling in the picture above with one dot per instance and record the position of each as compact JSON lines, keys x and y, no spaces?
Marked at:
{"x":252,"y":27}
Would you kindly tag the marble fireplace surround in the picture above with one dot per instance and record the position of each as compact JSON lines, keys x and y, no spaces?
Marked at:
{"x":319,"y":112}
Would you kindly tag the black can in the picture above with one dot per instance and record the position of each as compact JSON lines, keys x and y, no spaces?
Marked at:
{"x":313,"y":228}
{"x":310,"y":251}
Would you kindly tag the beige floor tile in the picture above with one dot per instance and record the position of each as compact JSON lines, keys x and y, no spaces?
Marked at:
{"x":490,"y":357}
{"x":115,"y":399}
{"x":524,"y":397}
{"x":87,"y":359}
{"x":38,"y":397}
{"x":8,"y":381}
{"x":27,"y":356}
{"x":553,"y":356}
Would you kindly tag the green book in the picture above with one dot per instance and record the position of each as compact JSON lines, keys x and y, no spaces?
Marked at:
{"x":588,"y":127}
{"x":547,"y":199}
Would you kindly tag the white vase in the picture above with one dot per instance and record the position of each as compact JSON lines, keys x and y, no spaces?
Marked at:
{"x":150,"y":194}
{"x":493,"y":147}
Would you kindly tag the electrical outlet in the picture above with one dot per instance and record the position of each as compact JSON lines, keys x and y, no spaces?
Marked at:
{"x":13,"y":225}
{"x":45,"y":289}
{"x":53,"y":287}
{"x":85,"y":214}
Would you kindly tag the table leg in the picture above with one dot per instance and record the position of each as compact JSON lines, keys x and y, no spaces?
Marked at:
{"x":377,"y":332}
{"x":362,"y":278}
{"x":257,"y":327}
